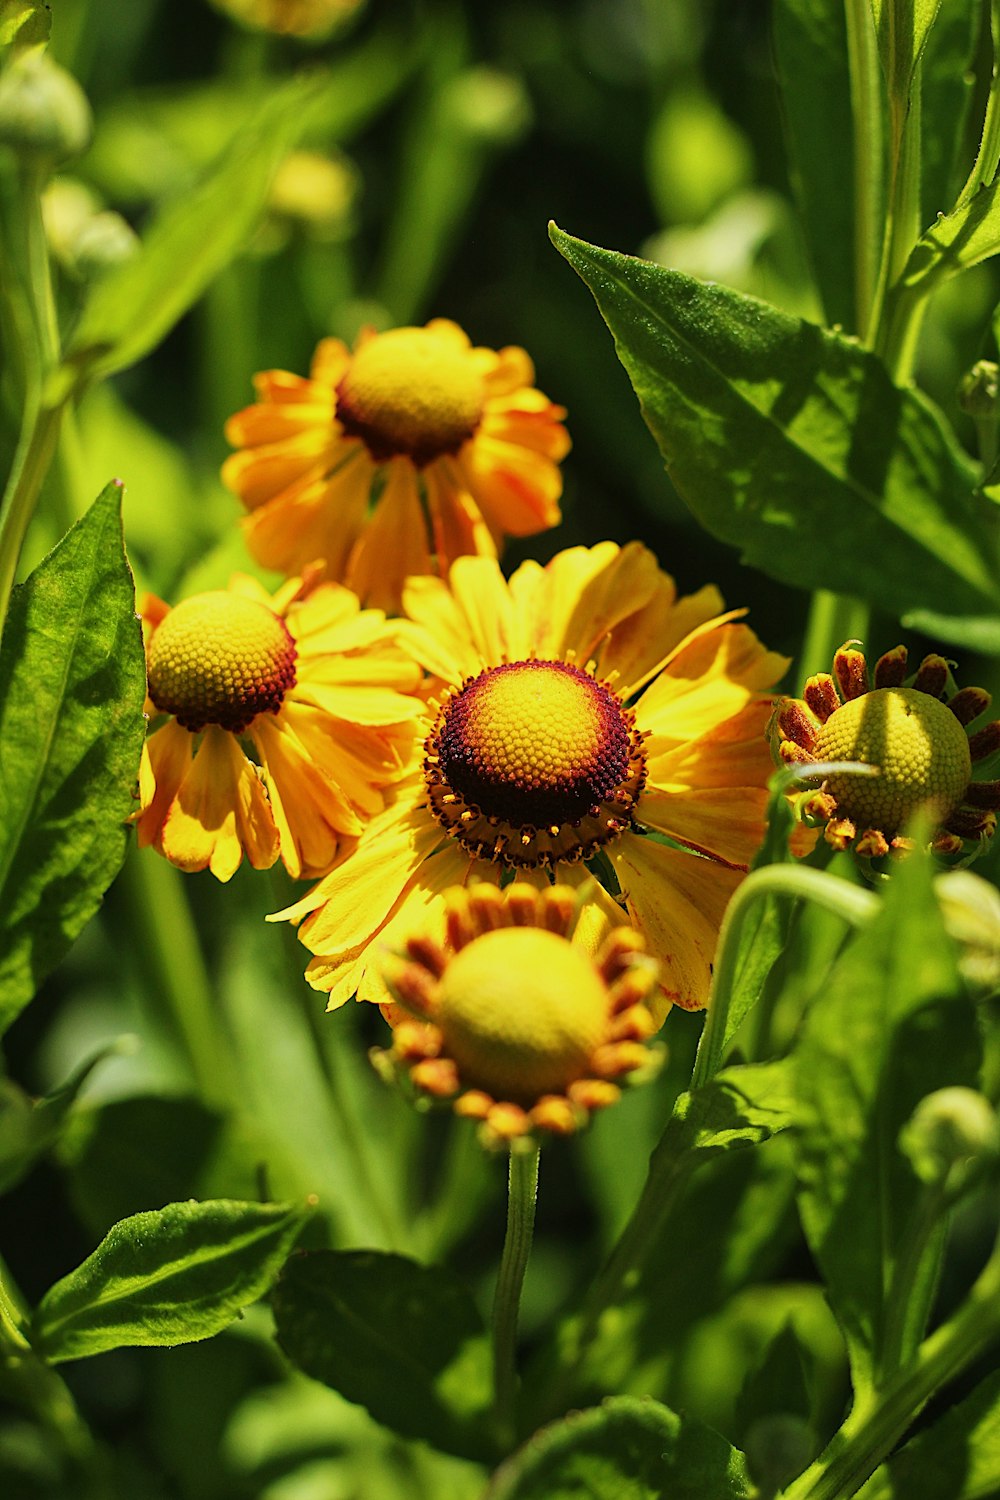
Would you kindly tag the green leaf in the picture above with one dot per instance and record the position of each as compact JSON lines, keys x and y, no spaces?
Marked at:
{"x":902,"y":27}
{"x":892,"y":1024}
{"x":131,"y":308}
{"x":72,"y":688}
{"x":627,"y":1449}
{"x":170,"y":1277}
{"x":742,"y":1106}
{"x":955,"y":242}
{"x":957,"y":1457}
{"x":24,"y":24}
{"x":401,"y":1339}
{"x":29,"y":1127}
{"x":791,"y":442}
{"x":946,"y":95}
{"x":810,"y":46}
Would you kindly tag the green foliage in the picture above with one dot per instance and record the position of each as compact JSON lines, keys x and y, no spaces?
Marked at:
{"x":626,"y":1449}
{"x":23,"y":24}
{"x":957,"y":1456}
{"x":892,"y":1023}
{"x":401,"y":1339}
{"x":72,"y":686}
{"x":29,"y":1127}
{"x":790,"y":441}
{"x":133,"y":306}
{"x":168,"y":1277}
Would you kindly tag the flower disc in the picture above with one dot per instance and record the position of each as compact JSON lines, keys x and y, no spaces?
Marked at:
{"x":917,"y":743}
{"x":411,"y":391}
{"x":521,"y":1012}
{"x":533,"y":761}
{"x":220,"y":658}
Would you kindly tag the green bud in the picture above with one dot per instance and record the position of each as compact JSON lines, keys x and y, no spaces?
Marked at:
{"x":979,"y":388}
{"x":970,"y":907}
{"x":104,"y":241}
{"x":951,"y":1137}
{"x":44,"y":113}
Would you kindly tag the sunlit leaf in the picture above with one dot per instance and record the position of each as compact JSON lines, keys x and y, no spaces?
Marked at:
{"x":627,"y":1449}
{"x":902,"y":27}
{"x":791,"y":442}
{"x":24,"y":24}
{"x":173,"y":1276}
{"x":958,"y":1456}
{"x":72,"y":687}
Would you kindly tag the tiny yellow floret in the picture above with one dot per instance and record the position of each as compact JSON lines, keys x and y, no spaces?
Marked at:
{"x":919,"y":747}
{"x":521,"y":1011}
{"x":220,"y":658}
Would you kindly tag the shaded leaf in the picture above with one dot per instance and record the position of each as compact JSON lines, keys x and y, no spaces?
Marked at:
{"x":72,"y":688}
{"x":401,"y":1339}
{"x":29,"y":1127}
{"x":24,"y":24}
{"x":902,"y":27}
{"x":791,"y":442}
{"x":173,"y":1276}
{"x":892,"y":1024}
{"x":627,"y":1449}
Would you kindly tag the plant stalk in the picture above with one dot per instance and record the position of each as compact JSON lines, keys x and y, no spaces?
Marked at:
{"x":522,"y":1194}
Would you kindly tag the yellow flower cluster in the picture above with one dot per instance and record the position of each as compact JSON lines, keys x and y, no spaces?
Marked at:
{"x":400,"y":721}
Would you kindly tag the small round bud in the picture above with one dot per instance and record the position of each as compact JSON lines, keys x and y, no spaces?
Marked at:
{"x":970,"y":907}
{"x":951,"y":1135}
{"x":43,"y":110}
{"x":104,"y":241}
{"x":979,"y":388}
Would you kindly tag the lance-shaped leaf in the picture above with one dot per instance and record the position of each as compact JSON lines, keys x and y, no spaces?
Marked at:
{"x":902,"y":27}
{"x":791,"y":442}
{"x":173,"y":1276}
{"x":627,"y":1449}
{"x":401,"y":1339}
{"x":29,"y":1127}
{"x":892,"y":1024}
{"x":23,"y":24}
{"x":131,"y":308}
{"x":72,"y":687}
{"x":957,"y":1457}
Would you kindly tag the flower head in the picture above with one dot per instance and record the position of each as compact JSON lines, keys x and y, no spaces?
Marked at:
{"x":511,"y":1022}
{"x":587,"y":717}
{"x":311,"y":683}
{"x":396,"y":458}
{"x":912,"y":732}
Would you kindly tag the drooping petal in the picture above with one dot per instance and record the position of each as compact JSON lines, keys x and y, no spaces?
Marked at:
{"x":166,"y":760}
{"x":220,"y":811}
{"x":394,"y":543}
{"x":677,"y":901}
{"x":516,"y":489}
{"x":457,"y":524}
{"x":310,"y":808}
{"x":319,"y":521}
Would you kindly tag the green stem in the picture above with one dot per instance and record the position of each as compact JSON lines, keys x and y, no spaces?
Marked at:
{"x":872,"y":1430}
{"x":833,"y":619}
{"x":866,"y":111}
{"x":172,"y":966}
{"x":522,"y":1193}
{"x":910,"y":1291}
{"x":850,"y":902}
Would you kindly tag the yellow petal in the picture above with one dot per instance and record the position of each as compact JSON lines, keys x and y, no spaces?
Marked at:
{"x":481,"y":594}
{"x":310,"y":808}
{"x":220,"y":810}
{"x":318,"y":521}
{"x":677,"y":901}
{"x":436,"y":634}
{"x":711,"y":676}
{"x":516,"y":489}
{"x":727,"y":822}
{"x":166,"y":760}
{"x":394,"y":543}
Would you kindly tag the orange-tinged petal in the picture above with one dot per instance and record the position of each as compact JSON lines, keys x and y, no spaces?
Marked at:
{"x":727,"y":822}
{"x":310,"y":809}
{"x":529,"y":420}
{"x":394,"y":543}
{"x":677,"y":901}
{"x":317,"y":523}
{"x":517,"y":490}
{"x":456,"y":523}
{"x":166,"y":760}
{"x":220,"y":810}
{"x":261,"y":474}
{"x":509,"y":369}
{"x":734,"y":753}
{"x":329,"y":361}
{"x":712,"y":675}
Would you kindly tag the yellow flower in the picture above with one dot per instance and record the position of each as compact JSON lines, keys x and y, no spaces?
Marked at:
{"x":912,"y":732}
{"x":395,"y":459}
{"x":316,"y":686}
{"x":290,"y":17}
{"x":589,"y":715}
{"x":512,"y":1023}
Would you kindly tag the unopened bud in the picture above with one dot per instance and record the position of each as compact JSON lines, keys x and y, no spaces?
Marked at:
{"x":970,"y":907}
{"x":979,"y":389}
{"x":951,"y":1136}
{"x":105,"y":241}
{"x":44,"y":112}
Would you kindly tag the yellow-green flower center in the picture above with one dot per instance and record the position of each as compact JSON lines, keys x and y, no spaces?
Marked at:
{"x":919,"y":746}
{"x":411,"y":391}
{"x":532,"y":762}
{"x":521,"y":1012}
{"x":220,"y":658}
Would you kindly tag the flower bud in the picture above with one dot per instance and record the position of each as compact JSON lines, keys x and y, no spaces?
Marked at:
{"x":950,"y":1137}
{"x":44,"y":113}
{"x":979,"y":388}
{"x":105,"y":241}
{"x":970,"y":907}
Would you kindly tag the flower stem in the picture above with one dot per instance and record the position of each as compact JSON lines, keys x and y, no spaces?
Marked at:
{"x":873,"y":1429}
{"x":522,"y":1192}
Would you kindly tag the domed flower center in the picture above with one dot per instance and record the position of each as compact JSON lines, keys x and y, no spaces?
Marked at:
{"x":532,"y":762}
{"x":220,"y":658}
{"x":919,"y":746}
{"x":521,"y":1012}
{"x":411,"y":391}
